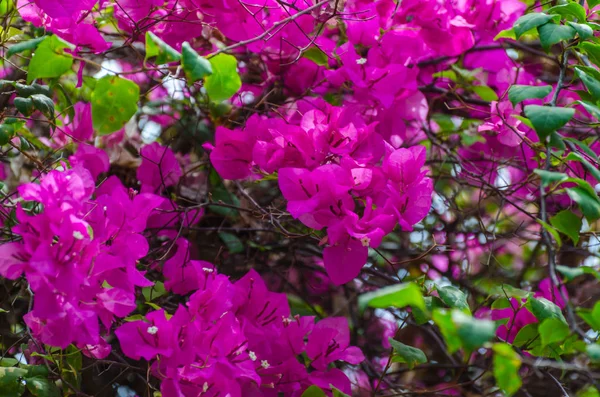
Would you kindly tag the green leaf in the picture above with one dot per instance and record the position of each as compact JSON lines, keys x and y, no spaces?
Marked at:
{"x":163,"y":52}
{"x":549,"y":177}
{"x":473,"y":332}
{"x":24,"y":46}
{"x":528,"y":22}
{"x":50,"y":59}
{"x":400,"y":295}
{"x":407,"y":354}
{"x":593,"y":352}
{"x":547,"y":119}
{"x":43,"y":104}
{"x":42,"y":387}
{"x":443,"y":319}
{"x":551,"y":34}
{"x":24,"y":106}
{"x":314,"y":391}
{"x":593,"y":3}
{"x":337,"y":392}
{"x":526,"y":335}
{"x":567,"y":223}
{"x":154,"y":292}
{"x":233,"y":243}
{"x":552,"y":231}
{"x":28,"y":90}
{"x":316,"y":55}
{"x":591,"y":317}
{"x":114,"y":102}
{"x":11,"y":381}
{"x":573,"y":156}
{"x":454,"y":298}
{"x":506,"y":368}
{"x":225,"y":80}
{"x":590,"y":81}
{"x":583,"y":30}
{"x":573,"y":10}
{"x":519,"y":93}
{"x":506,"y":34}
{"x":484,"y":92}
{"x":585,"y":148}
{"x":591,"y":108}
{"x":543,"y":309}
{"x":553,"y":330}
{"x":572,"y":273}
{"x":587,"y":201}
{"x":196,"y":67}
{"x":592,"y":50}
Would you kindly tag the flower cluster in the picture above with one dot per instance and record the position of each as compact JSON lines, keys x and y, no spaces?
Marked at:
{"x":336,"y":172}
{"x":235,"y":338}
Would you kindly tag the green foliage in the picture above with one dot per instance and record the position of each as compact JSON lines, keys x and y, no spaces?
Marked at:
{"x":568,"y":223}
{"x":225,"y":80}
{"x":454,"y":298}
{"x":163,"y":52}
{"x":591,"y":316}
{"x":27,"y":45}
{"x":553,"y":330}
{"x":114,"y":102}
{"x":592,"y":50}
{"x":50,"y":59}
{"x":543,"y":309}
{"x":587,"y":199}
{"x":233,"y":243}
{"x":314,"y":391}
{"x":400,"y":295}
{"x":196,"y":67}
{"x":461,"y":330}
{"x":519,"y":93}
{"x":569,"y":10}
{"x":583,"y":30}
{"x":589,"y":77}
{"x":407,"y":354}
{"x":506,"y":368}
{"x":546,"y":119}
{"x":551,"y":34}
{"x":528,"y":22}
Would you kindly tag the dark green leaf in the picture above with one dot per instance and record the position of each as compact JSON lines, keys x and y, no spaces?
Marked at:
{"x":593,"y":352}
{"x":314,"y":391}
{"x":573,"y":10}
{"x":454,"y":298}
{"x":549,"y":177}
{"x":12,"y":383}
{"x":24,"y":106}
{"x":529,"y":21}
{"x":50,"y":59}
{"x":163,"y":52}
{"x":590,"y":81}
{"x":225,"y":80}
{"x":473,"y":332}
{"x":233,"y":243}
{"x":519,"y":93}
{"x":196,"y":67}
{"x":547,"y":119}
{"x":592,"y":50}
{"x":400,"y":295}
{"x":43,"y":104}
{"x":506,"y":368}
{"x":587,"y":201}
{"x":590,"y":108}
{"x":28,"y":90}
{"x":42,"y":387}
{"x":24,"y":46}
{"x":571,"y":273}
{"x":567,"y":223}
{"x":583,"y":30}
{"x":551,"y":34}
{"x":114,"y":102}
{"x":552,"y":231}
{"x":407,"y":354}
{"x":585,"y":148}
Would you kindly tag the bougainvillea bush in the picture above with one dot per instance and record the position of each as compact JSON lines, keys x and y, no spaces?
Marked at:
{"x":244,"y":198}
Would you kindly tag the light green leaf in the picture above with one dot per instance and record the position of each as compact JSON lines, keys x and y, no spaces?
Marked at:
{"x":553,"y":330}
{"x":154,"y":292}
{"x":316,"y":55}
{"x":407,"y":354}
{"x":543,"y":309}
{"x":547,"y":119}
{"x":473,"y":332}
{"x":225,"y":80}
{"x":519,"y":93}
{"x":552,"y":231}
{"x":11,"y":381}
{"x":42,"y":387}
{"x":485,"y":93}
{"x":573,"y":156}
{"x":50,"y":59}
{"x":114,"y":102}
{"x":454,"y":298}
{"x":591,"y":317}
{"x":526,"y":336}
{"x":196,"y":67}
{"x":530,"y":21}
{"x":571,"y":273}
{"x":163,"y":52}
{"x":506,"y":34}
{"x":506,"y":368}
{"x":567,"y":223}
{"x":314,"y":391}
{"x":400,"y":295}
{"x":549,"y":177}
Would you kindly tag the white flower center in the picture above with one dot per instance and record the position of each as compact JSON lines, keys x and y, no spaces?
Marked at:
{"x":361,"y":61}
{"x":265,"y":364}
{"x":365,"y":241}
{"x":252,"y":355}
{"x":152,"y":330}
{"x":78,"y":235}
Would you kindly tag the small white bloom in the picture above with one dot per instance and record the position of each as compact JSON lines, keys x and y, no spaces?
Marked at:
{"x":252,"y":355}
{"x":78,"y":235}
{"x":104,"y":208}
{"x":365,"y":241}
{"x":207,"y":270}
{"x":205,"y":387}
{"x":152,"y":330}
{"x":265,"y":364}
{"x":361,"y":61}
